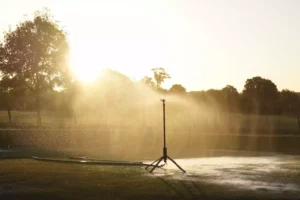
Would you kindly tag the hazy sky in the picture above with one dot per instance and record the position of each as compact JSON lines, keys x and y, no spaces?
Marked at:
{"x":202,"y":44}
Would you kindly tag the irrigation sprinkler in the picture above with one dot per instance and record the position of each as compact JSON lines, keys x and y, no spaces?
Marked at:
{"x":165,"y":156}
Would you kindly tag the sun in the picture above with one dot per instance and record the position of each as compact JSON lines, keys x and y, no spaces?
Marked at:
{"x":84,"y":64}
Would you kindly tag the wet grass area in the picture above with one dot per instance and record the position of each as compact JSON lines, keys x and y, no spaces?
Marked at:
{"x":262,"y":177}
{"x":227,"y":177}
{"x":30,"y":179}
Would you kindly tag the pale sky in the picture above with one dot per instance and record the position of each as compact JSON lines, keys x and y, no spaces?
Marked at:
{"x":203,"y":44}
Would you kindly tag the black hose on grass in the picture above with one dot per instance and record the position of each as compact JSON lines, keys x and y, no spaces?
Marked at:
{"x":88,"y":161}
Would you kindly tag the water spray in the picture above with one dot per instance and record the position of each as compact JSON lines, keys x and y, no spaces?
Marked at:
{"x":165,"y":156}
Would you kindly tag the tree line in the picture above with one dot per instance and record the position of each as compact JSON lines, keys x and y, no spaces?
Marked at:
{"x":259,"y":96}
{"x":34,"y":63}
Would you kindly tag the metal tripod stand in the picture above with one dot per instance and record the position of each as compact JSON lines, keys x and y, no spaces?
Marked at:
{"x":165,"y":156}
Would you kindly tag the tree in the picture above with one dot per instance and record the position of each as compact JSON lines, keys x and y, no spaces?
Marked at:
{"x":37,"y":55}
{"x":160,"y":75}
{"x":6,"y":84}
{"x":215,"y":98}
{"x":231,"y":98}
{"x":260,"y":95}
{"x":177,"y":88}
{"x":289,"y":102}
{"x":6,"y":93}
{"x":148,"y":81}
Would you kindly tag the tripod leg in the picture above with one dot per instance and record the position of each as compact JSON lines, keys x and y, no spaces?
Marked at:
{"x":156,"y":164}
{"x":177,"y":164}
{"x":152,"y":163}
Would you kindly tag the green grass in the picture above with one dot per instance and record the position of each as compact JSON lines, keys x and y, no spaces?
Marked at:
{"x":36,"y":180}
{"x":27,"y":117}
{"x":218,"y":121}
{"x":30,"y":179}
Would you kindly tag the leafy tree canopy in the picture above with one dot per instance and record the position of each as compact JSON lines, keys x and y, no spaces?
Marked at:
{"x":177,"y":88}
{"x":148,"y":81}
{"x":260,"y":95}
{"x":36,"y":53}
{"x":160,"y":75}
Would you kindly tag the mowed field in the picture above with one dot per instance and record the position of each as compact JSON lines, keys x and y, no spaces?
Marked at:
{"x":234,"y":123}
{"x":221,"y":177}
{"x":26,"y":117}
{"x":139,"y":139}
{"x":221,"y":174}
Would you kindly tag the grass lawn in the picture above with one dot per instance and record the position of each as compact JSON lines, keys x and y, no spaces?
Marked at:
{"x":31,"y":179}
{"x":232,"y":121}
{"x":207,"y":179}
